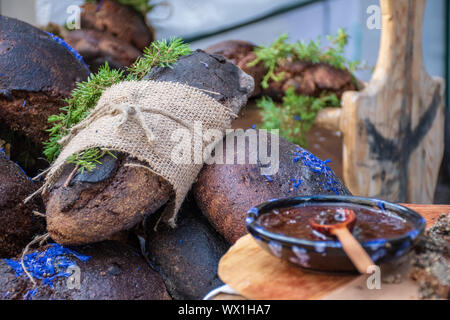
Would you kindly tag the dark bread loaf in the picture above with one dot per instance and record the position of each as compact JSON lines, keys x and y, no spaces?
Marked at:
{"x":114,"y":271}
{"x":311,"y":79}
{"x":97,"y":48}
{"x":187,"y":257}
{"x":33,"y":64}
{"x":95,"y":206}
{"x":36,"y":74}
{"x":241,"y":53}
{"x":118,"y":20}
{"x":225,"y":192}
{"x":305,"y":77}
{"x":18,"y":224}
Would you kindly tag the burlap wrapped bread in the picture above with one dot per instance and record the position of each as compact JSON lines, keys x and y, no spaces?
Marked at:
{"x":121,"y":193}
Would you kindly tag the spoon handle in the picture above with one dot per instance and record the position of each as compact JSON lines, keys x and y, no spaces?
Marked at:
{"x":354,"y":250}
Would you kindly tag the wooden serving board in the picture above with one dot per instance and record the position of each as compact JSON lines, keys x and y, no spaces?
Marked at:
{"x":256,"y":274}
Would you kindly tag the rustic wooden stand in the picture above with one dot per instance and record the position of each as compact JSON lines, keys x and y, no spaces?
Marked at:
{"x":394,"y":129}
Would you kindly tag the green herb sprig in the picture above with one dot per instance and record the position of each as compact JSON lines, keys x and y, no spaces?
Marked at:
{"x":295,"y":116}
{"x":161,"y":53}
{"x":78,"y":106}
{"x":87,"y":93}
{"x":280,"y":51}
{"x":88,"y":159}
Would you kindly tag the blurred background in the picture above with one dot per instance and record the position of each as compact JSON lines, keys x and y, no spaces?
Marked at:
{"x":205,"y":22}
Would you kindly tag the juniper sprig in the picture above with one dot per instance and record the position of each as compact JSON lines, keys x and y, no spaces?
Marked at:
{"x":279,"y":51}
{"x":161,"y":53}
{"x":78,"y":106}
{"x":272,"y":56}
{"x":87,"y":93}
{"x":88,"y":159}
{"x":296,"y":115}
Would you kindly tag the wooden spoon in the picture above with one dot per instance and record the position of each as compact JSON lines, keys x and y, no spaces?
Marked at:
{"x":341,"y":225}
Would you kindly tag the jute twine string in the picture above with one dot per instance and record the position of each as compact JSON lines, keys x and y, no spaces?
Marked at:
{"x":41,"y":239}
{"x":139,"y":118}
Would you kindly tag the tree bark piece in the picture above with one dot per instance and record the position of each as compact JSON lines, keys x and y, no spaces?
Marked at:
{"x":431,"y":263}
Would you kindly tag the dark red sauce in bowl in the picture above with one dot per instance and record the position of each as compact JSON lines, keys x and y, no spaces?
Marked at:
{"x":371,"y":223}
{"x":385,"y":230}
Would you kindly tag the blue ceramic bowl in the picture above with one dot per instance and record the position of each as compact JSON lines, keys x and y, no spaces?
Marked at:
{"x":328,"y":256}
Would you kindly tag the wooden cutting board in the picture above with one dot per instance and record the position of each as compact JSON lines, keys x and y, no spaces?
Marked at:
{"x":256,"y":274}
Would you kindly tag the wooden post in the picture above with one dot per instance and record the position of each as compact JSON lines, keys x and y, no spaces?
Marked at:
{"x":394,"y":129}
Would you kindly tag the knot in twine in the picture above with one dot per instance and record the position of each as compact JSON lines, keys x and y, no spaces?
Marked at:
{"x":129,"y":111}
